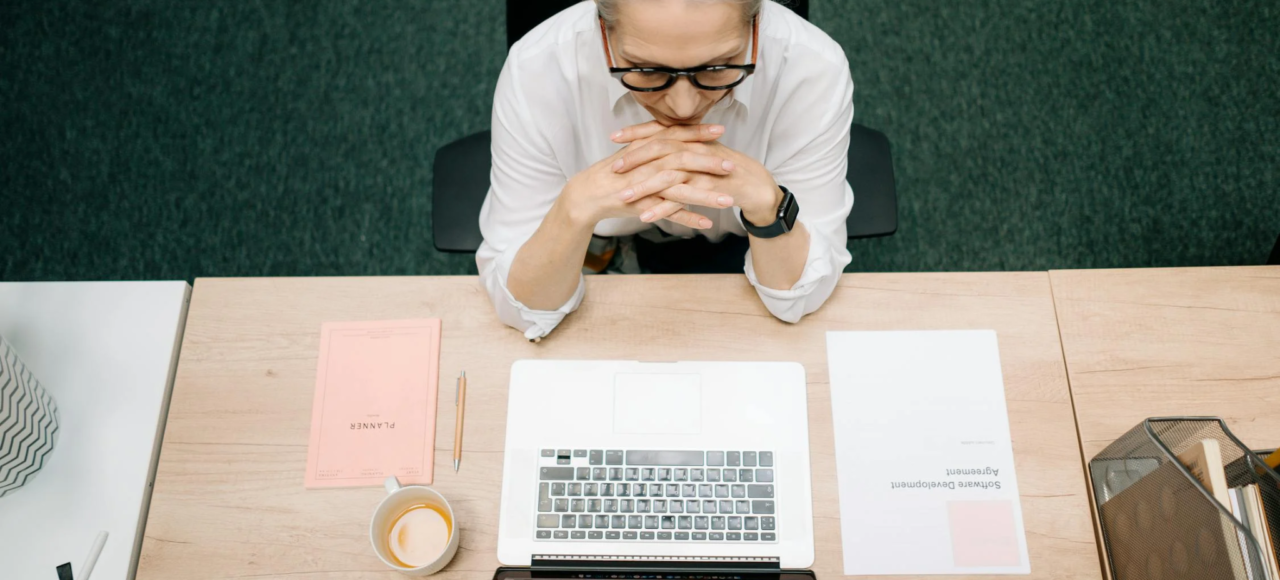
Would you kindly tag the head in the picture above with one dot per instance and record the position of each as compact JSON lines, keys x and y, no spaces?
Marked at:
{"x":679,"y":34}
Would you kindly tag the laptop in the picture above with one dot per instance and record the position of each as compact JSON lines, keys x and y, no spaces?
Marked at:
{"x":622,"y":468}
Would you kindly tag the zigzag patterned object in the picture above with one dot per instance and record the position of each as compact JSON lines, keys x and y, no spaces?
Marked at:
{"x":28,"y":422}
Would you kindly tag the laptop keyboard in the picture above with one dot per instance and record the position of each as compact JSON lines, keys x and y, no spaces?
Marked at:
{"x":660,"y":496}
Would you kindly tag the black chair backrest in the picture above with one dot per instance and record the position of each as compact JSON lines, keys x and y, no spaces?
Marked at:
{"x":523,"y":15}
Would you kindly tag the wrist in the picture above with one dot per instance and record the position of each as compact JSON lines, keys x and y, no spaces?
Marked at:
{"x":572,"y":216}
{"x":765,"y":211}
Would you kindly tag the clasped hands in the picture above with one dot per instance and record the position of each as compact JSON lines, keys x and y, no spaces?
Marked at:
{"x":662,"y":170}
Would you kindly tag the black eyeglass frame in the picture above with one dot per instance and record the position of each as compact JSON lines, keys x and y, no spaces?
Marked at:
{"x":674,"y":75}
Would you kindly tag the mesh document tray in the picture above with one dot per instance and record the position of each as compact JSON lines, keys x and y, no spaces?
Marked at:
{"x":1159,"y":521}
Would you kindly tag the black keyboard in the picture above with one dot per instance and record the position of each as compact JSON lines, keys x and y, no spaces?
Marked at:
{"x":656,"y":495}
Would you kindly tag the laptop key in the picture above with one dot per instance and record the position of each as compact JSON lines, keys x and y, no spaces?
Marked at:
{"x":762,"y":506}
{"x":584,"y":522}
{"x":606,"y":489}
{"x":682,"y":536}
{"x":562,"y":504}
{"x":748,"y":458}
{"x":708,"y":506}
{"x":575,"y":490}
{"x":610,"y":506}
{"x":715,"y":458}
{"x":688,"y":490}
{"x":673,"y":490}
{"x":578,"y":535}
{"x":766,"y":459}
{"x":730,"y":475}
{"x":584,"y":473}
{"x":722,"y":490}
{"x":624,"y":489}
{"x":555,"y":474}
{"x":548,"y":521}
{"x":579,"y":452}
{"x":615,"y":474}
{"x":544,"y":497}
{"x":599,"y":474}
{"x":564,"y":453}
{"x":726,"y":506}
{"x":651,"y":522}
{"x":733,"y":459}
{"x":594,"y":506}
{"x":591,"y":490}
{"x":635,"y":522}
{"x":738,"y":490}
{"x":632,"y":474}
{"x":561,"y":534}
{"x":742,"y":506}
{"x":664,"y":474}
{"x":699,"y":536}
{"x":642,"y":506}
{"x":563,"y":461}
{"x":733,"y":536}
{"x":568,"y":521}
{"x":544,"y":534}
{"x":676,"y":507}
{"x":713,"y":475}
{"x":578,"y":506}
{"x":659,"y":506}
{"x":558,"y":489}
{"x":639,"y":490}
{"x":759,"y":491}
{"x":668,"y":522}
{"x":767,"y":524}
{"x":680,"y":474}
{"x":664,"y":535}
{"x":602,"y":522}
{"x":594,"y":535}
{"x":612,"y":535}
{"x":647,"y":474}
{"x":595,"y":457}
{"x":764,"y":475}
{"x":768,"y":537}
{"x":717,"y":536}
{"x":746,"y":475}
{"x":548,"y":452}
{"x":677,"y":458}
{"x":618,"y":522}
{"x":735,"y":523}
{"x":697,"y":474}
{"x":717,"y":523}
{"x":629,"y":535}
{"x":750,"y":536}
{"x":684,"y":522}
{"x":751,"y":523}
{"x":647,"y":535}
{"x":628,"y":506}
{"x":613,"y":457}
{"x":701,"y":522}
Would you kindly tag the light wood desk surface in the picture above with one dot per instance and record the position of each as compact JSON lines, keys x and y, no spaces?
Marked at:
{"x":1165,"y":342}
{"x":229,"y":500}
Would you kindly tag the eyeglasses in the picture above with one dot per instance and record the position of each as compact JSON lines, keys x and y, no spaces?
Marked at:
{"x":716,"y":77}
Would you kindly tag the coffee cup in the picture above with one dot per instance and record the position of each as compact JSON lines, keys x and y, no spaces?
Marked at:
{"x":413,"y":530}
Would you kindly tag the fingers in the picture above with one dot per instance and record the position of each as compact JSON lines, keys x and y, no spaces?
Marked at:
{"x":690,"y":195}
{"x":663,"y":180}
{"x":675,"y":212}
{"x":678,"y":156}
{"x":675,"y":133}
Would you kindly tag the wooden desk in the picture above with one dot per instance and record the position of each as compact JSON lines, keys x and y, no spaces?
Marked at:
{"x":229,"y":499}
{"x":1189,"y":341}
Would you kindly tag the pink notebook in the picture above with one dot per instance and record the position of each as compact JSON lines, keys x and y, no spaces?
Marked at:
{"x":374,"y":412}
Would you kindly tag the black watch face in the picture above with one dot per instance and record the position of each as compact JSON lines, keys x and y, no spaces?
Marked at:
{"x":789,"y":210}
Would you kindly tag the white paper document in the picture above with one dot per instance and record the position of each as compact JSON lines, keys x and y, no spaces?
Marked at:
{"x":923,"y":454}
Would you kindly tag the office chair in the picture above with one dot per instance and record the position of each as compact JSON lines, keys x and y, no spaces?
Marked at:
{"x":462,"y":168}
{"x":1274,"y":260}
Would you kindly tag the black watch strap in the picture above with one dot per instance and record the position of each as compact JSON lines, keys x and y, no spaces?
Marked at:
{"x":784,"y":221}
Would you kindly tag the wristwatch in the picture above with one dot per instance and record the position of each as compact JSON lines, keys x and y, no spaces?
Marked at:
{"x":786,"y":218}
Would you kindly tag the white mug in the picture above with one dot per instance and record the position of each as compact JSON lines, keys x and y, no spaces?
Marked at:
{"x":399,"y":499}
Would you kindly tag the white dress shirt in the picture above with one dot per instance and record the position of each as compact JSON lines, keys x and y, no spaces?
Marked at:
{"x":556,"y":106}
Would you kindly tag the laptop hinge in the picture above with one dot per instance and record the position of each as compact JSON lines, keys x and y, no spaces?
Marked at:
{"x":656,"y":563}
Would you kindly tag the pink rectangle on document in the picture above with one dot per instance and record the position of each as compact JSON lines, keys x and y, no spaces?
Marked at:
{"x":983,"y":533}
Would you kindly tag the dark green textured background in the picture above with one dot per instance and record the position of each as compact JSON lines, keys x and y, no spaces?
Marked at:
{"x":147,"y":139}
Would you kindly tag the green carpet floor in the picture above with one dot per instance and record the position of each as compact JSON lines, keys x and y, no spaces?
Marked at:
{"x":149,"y":139}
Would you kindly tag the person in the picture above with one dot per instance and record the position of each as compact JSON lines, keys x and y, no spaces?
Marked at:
{"x":666,"y":119}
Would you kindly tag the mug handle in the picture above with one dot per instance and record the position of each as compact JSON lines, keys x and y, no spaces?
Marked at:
{"x":392,"y":484}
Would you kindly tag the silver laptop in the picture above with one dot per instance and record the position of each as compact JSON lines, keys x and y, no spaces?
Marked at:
{"x":624,"y":461}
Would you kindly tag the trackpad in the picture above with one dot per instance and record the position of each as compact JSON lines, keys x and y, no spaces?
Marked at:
{"x":657,"y":404}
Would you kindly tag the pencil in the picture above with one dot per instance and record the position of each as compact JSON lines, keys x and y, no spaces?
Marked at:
{"x":461,"y":403}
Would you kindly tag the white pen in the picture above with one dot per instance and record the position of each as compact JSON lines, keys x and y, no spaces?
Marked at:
{"x":87,"y":568}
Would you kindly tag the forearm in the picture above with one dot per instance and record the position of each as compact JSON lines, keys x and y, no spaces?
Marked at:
{"x":546,"y":270}
{"x":779,"y":262}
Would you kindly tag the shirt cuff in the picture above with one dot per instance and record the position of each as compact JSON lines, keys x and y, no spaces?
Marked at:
{"x":535,"y":324}
{"x":792,"y":304}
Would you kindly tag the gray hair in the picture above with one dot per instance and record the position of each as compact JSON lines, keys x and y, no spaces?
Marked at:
{"x":609,"y":9}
